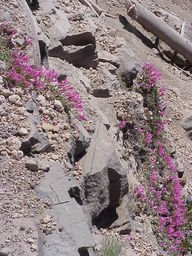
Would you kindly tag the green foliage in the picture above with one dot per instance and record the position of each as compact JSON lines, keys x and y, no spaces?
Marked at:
{"x":187,"y":244}
{"x":120,"y":80}
{"x":5,"y":51}
{"x":111,"y":247}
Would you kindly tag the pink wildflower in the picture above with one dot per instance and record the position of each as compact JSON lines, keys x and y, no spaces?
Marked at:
{"x":148,"y":138}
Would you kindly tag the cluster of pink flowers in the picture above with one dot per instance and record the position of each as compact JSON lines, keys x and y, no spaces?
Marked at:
{"x":122,"y":124}
{"x":139,"y":193}
{"x":21,"y":73}
{"x":163,"y":189}
{"x":149,"y":77}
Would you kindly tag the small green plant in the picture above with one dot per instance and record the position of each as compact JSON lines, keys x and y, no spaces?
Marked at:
{"x":120,"y":80}
{"x":111,"y":247}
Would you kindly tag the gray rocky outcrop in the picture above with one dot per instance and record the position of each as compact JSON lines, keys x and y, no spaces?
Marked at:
{"x":78,"y":49}
{"x":36,"y":141}
{"x":129,"y":65}
{"x":186,"y":123}
{"x":105,"y":180}
{"x":79,"y":146}
{"x":72,"y":235}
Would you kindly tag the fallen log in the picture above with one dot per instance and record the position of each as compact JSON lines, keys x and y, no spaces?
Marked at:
{"x":159,"y":28}
{"x":92,"y":5}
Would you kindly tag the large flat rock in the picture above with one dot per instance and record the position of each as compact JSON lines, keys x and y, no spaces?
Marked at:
{"x":67,"y":213}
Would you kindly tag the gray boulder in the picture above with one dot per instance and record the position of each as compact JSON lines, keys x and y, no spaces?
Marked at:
{"x":77,"y":49}
{"x":58,"y":22}
{"x":129,"y":65}
{"x":101,"y":92}
{"x":105,"y":180}
{"x":36,"y":142}
{"x":80,"y":56}
{"x":187,"y":121}
{"x":78,"y":146}
{"x":79,"y":39}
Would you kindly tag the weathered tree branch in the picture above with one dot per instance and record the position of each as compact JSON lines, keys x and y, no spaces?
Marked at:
{"x":159,"y":28}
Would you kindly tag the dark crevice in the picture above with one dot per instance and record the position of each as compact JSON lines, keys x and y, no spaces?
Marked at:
{"x":75,"y":193}
{"x":109,"y":215}
{"x":43,"y":52}
{"x":105,"y":218}
{"x":26,"y":146}
{"x":33,"y":4}
{"x":83,"y":252}
{"x":79,"y":39}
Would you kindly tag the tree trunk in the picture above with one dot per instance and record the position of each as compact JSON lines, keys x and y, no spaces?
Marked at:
{"x":159,"y":28}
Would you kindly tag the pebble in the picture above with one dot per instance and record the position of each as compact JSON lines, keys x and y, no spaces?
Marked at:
{"x":30,"y":240}
{"x":32,"y":165}
{"x":6,"y":92}
{"x":58,"y":105}
{"x":46,"y":220}
{"x":47,"y":127}
{"x":15,"y":4}
{"x":42,"y":100}
{"x":5,"y":251}
{"x":22,"y":227}
{"x":16,"y":143}
{"x":44,"y":165}
{"x":61,"y":228}
{"x":33,"y":247}
{"x":23,"y":132}
{"x":14,"y":98}
{"x":2,"y":99}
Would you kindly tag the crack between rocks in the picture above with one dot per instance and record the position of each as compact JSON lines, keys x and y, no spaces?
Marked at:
{"x":64,"y":202}
{"x":55,"y":193}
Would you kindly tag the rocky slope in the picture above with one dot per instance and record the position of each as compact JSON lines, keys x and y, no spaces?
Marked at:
{"x":66,"y":185}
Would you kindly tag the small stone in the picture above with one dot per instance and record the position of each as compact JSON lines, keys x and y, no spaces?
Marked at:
{"x":15,"y":216}
{"x":23,"y":132}
{"x":2,"y":67}
{"x":138,"y":230}
{"x":61,"y":228}
{"x":6,"y":92}
{"x":5,"y":251}
{"x":47,"y":127}
{"x":46,"y":220}
{"x":56,"y":129}
{"x":48,"y":232}
{"x":42,"y":100}
{"x":19,"y":154}
{"x":33,"y":247}
{"x":76,"y":16}
{"x":54,"y":157}
{"x":2,"y":99}
{"x":16,"y":143}
{"x":15,"y":5}
{"x":21,"y":110}
{"x":58,"y":104}
{"x":22,"y":227}
{"x":67,"y":136}
{"x":189,"y":199}
{"x":30,"y":240}
{"x":32,"y":165}
{"x":44,"y":165}
{"x":32,"y":185}
{"x":14,"y":98}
